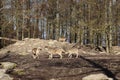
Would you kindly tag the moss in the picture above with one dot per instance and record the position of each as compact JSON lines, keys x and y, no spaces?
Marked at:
{"x":19,"y":72}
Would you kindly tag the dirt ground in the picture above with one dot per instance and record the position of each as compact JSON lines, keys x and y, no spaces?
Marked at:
{"x":64,"y":69}
{"x":56,"y":68}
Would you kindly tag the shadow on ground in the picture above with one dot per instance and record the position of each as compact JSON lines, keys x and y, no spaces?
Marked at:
{"x":62,"y":69}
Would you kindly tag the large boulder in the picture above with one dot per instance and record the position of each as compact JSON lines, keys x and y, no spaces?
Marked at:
{"x":4,"y":76}
{"x":97,"y":77}
{"x":19,"y":72}
{"x":8,"y":65}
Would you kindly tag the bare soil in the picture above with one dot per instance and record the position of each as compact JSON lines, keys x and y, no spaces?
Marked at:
{"x":64,"y":69}
{"x":56,"y":68}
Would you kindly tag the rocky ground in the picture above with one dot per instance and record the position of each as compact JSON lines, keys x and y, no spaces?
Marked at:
{"x":91,"y":62}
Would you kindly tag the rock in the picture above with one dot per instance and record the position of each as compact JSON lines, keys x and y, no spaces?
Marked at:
{"x":18,"y":71}
{"x":118,"y":53}
{"x":8,"y":65}
{"x":4,"y":76}
{"x":96,"y":77}
{"x":2,"y":71}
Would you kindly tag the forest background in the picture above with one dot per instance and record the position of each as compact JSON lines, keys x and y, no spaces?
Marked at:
{"x":95,"y":22}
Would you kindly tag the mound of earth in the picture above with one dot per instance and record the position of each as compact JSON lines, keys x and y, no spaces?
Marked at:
{"x":25,"y":47}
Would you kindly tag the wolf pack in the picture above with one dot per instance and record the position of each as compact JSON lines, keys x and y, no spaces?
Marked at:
{"x":56,"y":51}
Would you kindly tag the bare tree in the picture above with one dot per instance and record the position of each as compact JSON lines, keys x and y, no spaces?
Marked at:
{"x":93,"y":22}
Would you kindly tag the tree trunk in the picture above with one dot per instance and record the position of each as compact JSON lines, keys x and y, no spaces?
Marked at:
{"x":110,"y":27}
{"x":1,"y":23}
{"x":28,"y":24}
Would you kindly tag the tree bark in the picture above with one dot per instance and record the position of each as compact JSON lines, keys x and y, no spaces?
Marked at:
{"x":1,"y":23}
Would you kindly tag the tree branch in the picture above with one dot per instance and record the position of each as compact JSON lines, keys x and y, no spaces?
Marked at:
{"x":9,"y":39}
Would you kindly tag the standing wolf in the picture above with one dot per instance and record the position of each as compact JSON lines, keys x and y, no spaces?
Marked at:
{"x":36,"y":52}
{"x":72,"y":51}
{"x":54,"y":50}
